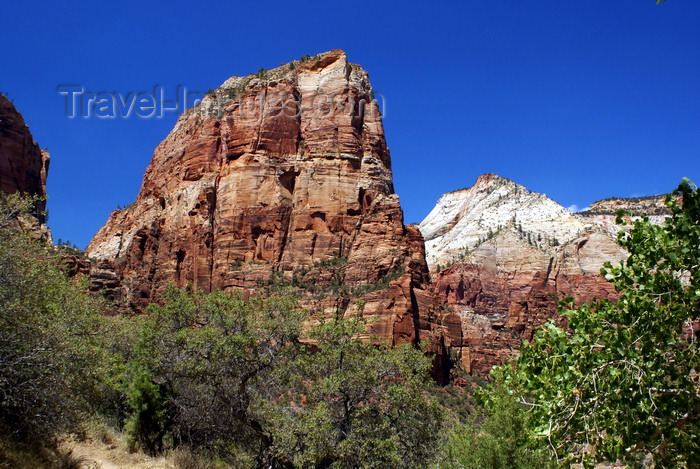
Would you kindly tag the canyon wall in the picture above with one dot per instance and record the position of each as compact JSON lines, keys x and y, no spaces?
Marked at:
{"x":23,"y":165}
{"x":282,"y":177}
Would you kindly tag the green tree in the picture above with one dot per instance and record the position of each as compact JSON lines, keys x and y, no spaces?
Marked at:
{"x":147,"y":425}
{"x":622,"y":381}
{"x":52,"y":358}
{"x":233,"y":377}
{"x":201,"y":363}
{"x":355,"y":404}
{"x":496,"y":436}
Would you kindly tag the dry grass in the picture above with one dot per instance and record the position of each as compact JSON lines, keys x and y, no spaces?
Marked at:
{"x":96,"y":447}
{"x":15,"y":455}
{"x":183,"y":459}
{"x":69,"y":460}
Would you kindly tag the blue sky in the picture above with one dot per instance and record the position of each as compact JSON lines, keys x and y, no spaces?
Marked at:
{"x":579,"y":100}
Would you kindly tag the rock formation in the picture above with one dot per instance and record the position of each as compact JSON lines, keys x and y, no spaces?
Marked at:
{"x":283,"y":178}
{"x":502,"y":257}
{"x":279,"y":177}
{"x":23,"y":165}
{"x":604,"y":212}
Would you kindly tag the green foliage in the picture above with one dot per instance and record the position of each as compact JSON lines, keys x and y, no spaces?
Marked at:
{"x":229,"y":376}
{"x":53,"y":364}
{"x":214,"y":355}
{"x":496,"y":437}
{"x":308,"y":279}
{"x":146,"y":426}
{"x":355,"y":404}
{"x":623,"y":380}
{"x":381,"y":284}
{"x":634,"y":199}
{"x":69,"y":248}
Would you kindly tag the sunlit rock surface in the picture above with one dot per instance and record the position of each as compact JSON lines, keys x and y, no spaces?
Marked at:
{"x":284,"y":175}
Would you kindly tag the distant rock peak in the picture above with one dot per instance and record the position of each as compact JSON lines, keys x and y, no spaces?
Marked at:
{"x":501,"y":257}
{"x":465,"y":219}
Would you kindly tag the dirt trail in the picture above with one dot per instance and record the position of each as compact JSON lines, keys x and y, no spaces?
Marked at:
{"x":98,"y":455}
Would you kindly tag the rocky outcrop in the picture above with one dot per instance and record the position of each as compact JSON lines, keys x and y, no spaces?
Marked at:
{"x":464,"y":219}
{"x":502,"y":257}
{"x":650,"y":205}
{"x":604,"y":212}
{"x":282,"y":177}
{"x":23,"y":165}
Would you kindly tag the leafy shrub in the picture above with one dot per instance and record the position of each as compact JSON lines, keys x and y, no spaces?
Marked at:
{"x":213,"y":353}
{"x":497,"y":436}
{"x":53,"y":362}
{"x":145,"y":427}
{"x":355,"y":404}
{"x":231,"y":378}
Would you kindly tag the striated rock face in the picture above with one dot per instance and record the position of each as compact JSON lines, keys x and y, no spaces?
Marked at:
{"x":651,"y":205}
{"x":23,"y":166}
{"x":464,"y":219}
{"x":604,"y":212}
{"x":505,"y":257}
{"x":281,"y":176}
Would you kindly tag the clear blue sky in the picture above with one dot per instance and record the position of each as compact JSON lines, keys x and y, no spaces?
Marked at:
{"x":580,"y":100}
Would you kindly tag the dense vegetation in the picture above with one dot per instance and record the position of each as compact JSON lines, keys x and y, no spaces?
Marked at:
{"x":56,"y":365}
{"x":232,"y":378}
{"x":239,"y":382}
{"x":49,"y":333}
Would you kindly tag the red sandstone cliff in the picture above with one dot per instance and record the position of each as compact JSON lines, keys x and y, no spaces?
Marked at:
{"x":280,"y":176}
{"x":23,"y":166}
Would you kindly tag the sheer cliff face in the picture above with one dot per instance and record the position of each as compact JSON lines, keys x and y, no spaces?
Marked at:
{"x":23,"y":166}
{"x":502,"y":257}
{"x":278,"y":174}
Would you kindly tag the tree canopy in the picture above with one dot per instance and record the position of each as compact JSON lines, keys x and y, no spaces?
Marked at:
{"x":236,"y":378}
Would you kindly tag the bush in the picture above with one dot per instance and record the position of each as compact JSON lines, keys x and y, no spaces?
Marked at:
{"x":497,"y":436}
{"x":355,"y":404}
{"x":52,"y":361}
{"x":145,"y":427}
{"x":229,"y":377}
{"x":200,"y":364}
